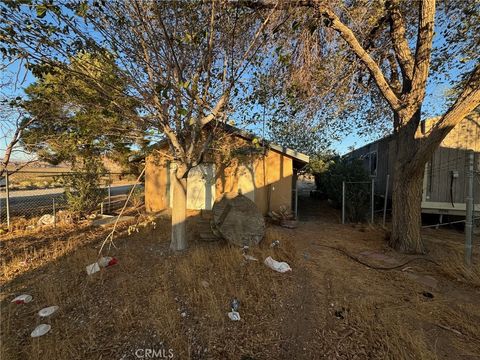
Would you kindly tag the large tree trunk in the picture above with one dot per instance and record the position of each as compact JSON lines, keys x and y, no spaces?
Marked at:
{"x":406,"y":211}
{"x":407,"y":189}
{"x":179,"y":212}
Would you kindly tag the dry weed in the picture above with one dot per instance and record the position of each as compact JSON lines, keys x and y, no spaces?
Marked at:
{"x":328,"y":306}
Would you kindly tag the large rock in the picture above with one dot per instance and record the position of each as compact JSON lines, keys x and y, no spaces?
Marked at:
{"x":238,"y":220}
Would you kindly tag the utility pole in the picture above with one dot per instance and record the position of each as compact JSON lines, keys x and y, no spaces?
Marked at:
{"x":343,"y":202}
{"x":469,"y":212}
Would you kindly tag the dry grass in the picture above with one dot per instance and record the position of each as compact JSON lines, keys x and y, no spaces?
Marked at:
{"x":145,"y":294}
{"x":327,"y":307}
{"x":449,"y":250}
{"x":21,"y":225}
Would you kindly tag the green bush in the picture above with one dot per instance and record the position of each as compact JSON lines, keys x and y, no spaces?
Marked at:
{"x":82,"y":189}
{"x":357,"y":195}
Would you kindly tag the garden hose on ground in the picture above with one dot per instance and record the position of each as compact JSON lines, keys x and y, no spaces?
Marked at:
{"x":354,"y":258}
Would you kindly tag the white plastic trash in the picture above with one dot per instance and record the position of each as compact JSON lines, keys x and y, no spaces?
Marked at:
{"x":249,"y":257}
{"x":40,"y":330}
{"x":275,"y":243}
{"x":48,"y":311}
{"x":92,"y":268}
{"x":22,"y":299}
{"x":46,"y":219}
{"x":234,"y":315}
{"x":104,"y":261}
{"x":277,"y":265}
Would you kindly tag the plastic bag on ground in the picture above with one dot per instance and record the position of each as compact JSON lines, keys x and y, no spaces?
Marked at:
{"x":234,"y":315}
{"x":250,"y":257}
{"x":22,"y":299}
{"x":46,"y":219}
{"x":107,"y":261}
{"x":278,"y":266}
{"x":103,"y":262}
{"x":92,"y":268}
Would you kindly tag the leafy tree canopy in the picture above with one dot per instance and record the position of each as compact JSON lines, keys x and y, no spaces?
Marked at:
{"x":73,"y":121}
{"x":315,"y":70}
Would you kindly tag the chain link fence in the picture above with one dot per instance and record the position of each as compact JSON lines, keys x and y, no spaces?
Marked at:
{"x":445,"y":192}
{"x":31,"y":194}
{"x":358,"y":201}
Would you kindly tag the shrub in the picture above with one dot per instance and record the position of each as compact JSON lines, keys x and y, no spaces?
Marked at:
{"x":82,"y":189}
{"x":357,"y":195}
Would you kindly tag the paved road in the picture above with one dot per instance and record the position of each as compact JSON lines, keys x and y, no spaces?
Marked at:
{"x":32,"y":202}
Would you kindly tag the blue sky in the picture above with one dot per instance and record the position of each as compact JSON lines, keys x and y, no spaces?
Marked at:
{"x":434,"y":105}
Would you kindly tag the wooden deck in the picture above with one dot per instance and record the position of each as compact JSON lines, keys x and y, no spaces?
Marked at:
{"x":430,"y":207}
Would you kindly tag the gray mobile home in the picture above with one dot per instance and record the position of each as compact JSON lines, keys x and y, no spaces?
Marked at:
{"x":445,"y":179}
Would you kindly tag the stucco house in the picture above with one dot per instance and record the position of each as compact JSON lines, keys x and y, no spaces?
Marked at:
{"x":264,"y":172}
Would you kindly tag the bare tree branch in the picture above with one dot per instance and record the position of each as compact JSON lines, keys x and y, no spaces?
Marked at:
{"x":372,"y":66}
{"x":467,"y":101}
{"x":14,"y":141}
{"x":423,"y":51}
{"x":399,"y":41}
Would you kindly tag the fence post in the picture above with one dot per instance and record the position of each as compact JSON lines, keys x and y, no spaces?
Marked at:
{"x":7,"y":198}
{"x":469,"y":212}
{"x":343,"y":202}
{"x":1,"y":211}
{"x":296,"y":200}
{"x":109,"y":193}
{"x":54,"y":213}
{"x":385,"y":203}
{"x":372,"y":200}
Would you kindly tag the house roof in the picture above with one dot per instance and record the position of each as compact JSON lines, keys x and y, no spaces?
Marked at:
{"x":281,"y":149}
{"x":296,"y":155}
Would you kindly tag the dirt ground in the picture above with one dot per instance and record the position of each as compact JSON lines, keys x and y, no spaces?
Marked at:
{"x":154,"y":304}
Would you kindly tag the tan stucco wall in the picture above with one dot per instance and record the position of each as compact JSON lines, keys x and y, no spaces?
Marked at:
{"x":156,"y":183}
{"x":272,"y":174}
{"x":273,"y":181}
{"x":226,"y":178}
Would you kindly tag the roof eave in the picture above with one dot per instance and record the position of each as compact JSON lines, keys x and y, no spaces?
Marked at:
{"x":292,"y":153}
{"x":249,"y":136}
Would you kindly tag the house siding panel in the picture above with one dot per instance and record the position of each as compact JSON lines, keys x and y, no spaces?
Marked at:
{"x":156,"y":183}
{"x":452,"y":155}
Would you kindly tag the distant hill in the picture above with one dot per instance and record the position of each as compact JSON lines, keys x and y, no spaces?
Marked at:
{"x":109,"y":164}
{"x":37,"y":164}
